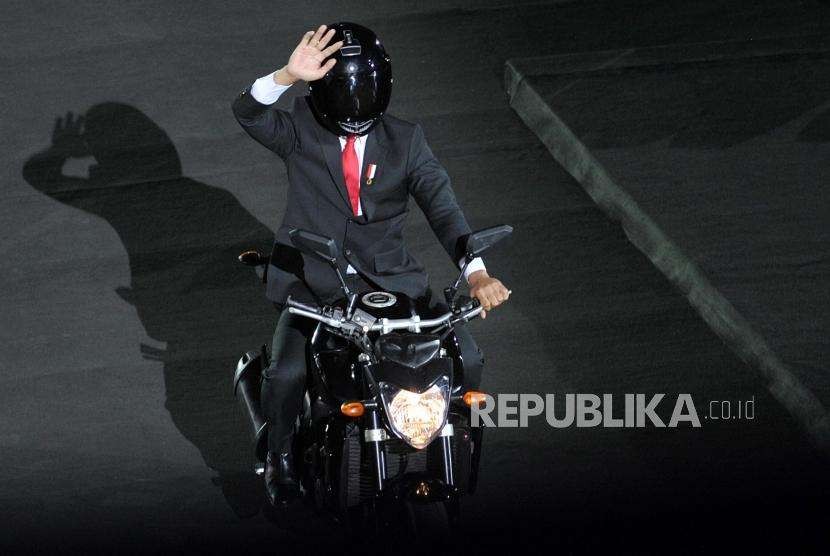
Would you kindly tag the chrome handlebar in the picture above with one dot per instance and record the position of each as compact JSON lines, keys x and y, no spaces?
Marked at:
{"x":383,"y":325}
{"x":314,"y":315}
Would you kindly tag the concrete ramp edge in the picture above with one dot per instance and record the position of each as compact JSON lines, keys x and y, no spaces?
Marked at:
{"x":681,"y":270}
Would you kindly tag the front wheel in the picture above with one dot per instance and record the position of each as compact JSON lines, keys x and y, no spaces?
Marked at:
{"x":412,"y":526}
{"x":427,"y":522}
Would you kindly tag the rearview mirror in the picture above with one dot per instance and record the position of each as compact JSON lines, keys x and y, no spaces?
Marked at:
{"x":480,"y":241}
{"x":313,"y":244}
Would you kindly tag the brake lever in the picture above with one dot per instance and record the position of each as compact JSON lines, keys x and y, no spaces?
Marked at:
{"x":459,"y":303}
{"x":465,"y":303}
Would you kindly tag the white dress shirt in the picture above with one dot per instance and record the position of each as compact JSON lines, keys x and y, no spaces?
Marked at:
{"x":266,"y":91}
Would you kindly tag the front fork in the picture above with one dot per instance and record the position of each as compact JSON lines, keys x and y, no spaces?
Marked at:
{"x":446,"y":451}
{"x":375,"y":434}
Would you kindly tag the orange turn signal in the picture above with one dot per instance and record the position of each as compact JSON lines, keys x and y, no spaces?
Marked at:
{"x":473,"y":397}
{"x":352,"y":409}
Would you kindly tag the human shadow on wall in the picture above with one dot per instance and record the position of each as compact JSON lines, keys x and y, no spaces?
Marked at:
{"x":182,"y":237}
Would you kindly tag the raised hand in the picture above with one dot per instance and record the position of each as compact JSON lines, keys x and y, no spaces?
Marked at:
{"x":308,"y":61}
{"x":67,"y":136}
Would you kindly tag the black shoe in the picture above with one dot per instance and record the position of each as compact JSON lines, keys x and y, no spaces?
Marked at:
{"x":280,"y":480}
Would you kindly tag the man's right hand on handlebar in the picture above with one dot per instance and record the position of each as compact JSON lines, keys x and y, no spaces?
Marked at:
{"x":488,"y":290}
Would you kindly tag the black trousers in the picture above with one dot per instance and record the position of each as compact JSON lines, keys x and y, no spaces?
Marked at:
{"x":283,"y":382}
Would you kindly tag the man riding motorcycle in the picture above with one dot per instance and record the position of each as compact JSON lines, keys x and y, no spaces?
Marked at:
{"x":351,"y":171}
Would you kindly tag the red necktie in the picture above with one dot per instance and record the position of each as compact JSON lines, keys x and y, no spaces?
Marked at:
{"x":351,"y":172}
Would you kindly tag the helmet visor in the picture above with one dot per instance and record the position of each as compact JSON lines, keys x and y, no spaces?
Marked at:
{"x":353,"y":99}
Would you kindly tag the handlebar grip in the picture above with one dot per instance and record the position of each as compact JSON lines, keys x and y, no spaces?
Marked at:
{"x":298,"y":305}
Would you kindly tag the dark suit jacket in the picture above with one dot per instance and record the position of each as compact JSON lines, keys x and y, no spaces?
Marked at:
{"x":318,"y":201}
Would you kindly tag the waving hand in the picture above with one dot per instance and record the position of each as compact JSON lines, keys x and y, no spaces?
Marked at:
{"x":309,"y":60}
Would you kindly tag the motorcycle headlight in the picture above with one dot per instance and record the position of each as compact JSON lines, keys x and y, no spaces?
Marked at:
{"x":417,"y":418}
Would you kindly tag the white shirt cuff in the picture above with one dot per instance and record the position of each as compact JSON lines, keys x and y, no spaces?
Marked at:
{"x":475,"y":265}
{"x":266,"y":91}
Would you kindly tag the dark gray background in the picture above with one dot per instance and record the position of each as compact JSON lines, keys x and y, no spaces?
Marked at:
{"x":726,"y":148}
{"x":122,"y":312}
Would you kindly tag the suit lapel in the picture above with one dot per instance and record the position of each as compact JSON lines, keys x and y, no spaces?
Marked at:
{"x":374,"y":153}
{"x":330,"y":145}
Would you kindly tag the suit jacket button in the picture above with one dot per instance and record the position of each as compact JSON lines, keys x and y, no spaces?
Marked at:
{"x":348,"y":252}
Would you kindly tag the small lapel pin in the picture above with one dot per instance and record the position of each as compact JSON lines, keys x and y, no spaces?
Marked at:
{"x":370,"y":173}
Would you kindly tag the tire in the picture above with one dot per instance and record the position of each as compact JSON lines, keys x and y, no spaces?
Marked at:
{"x":427,"y":524}
{"x":411,"y":526}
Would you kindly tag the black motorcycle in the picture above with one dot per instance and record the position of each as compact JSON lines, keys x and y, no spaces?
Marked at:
{"x":384,"y":439}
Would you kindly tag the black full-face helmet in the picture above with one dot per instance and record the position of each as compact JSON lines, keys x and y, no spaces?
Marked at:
{"x":353,"y":96}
